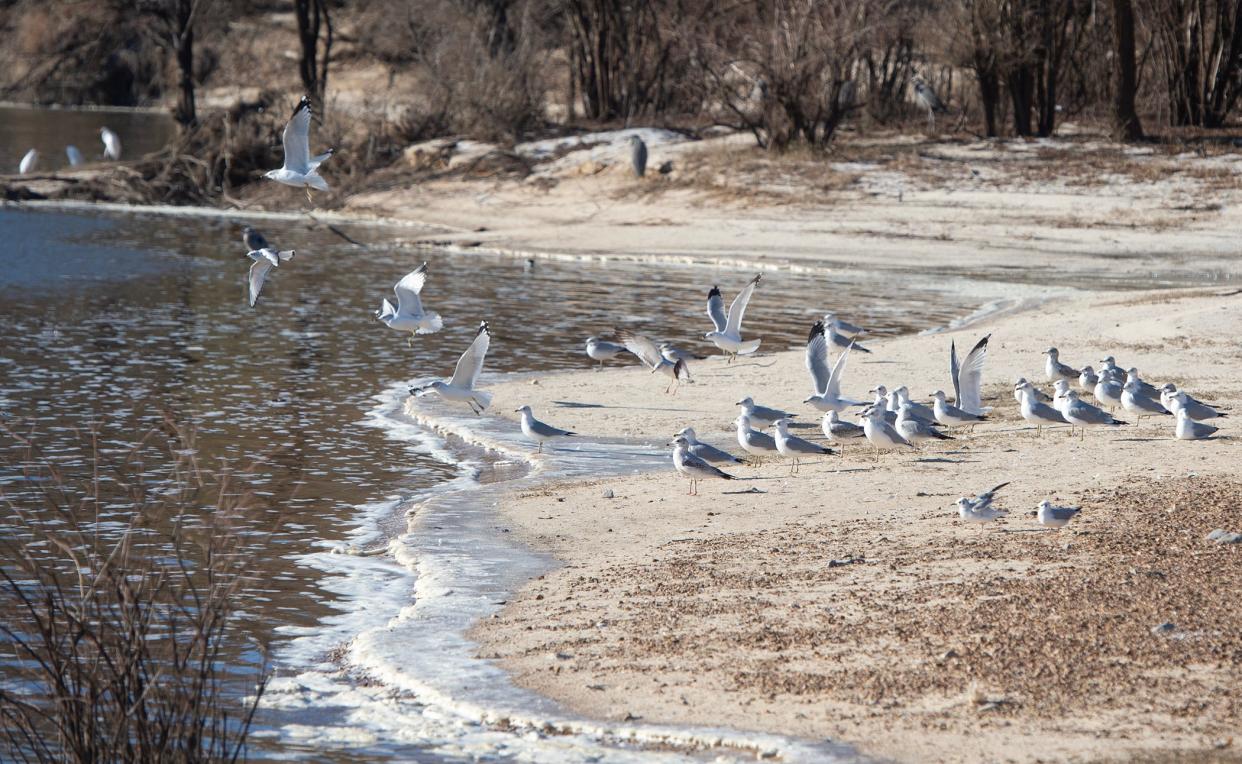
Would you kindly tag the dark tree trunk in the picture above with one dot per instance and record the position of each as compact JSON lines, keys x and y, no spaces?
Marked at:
{"x":989,"y":88}
{"x":313,"y":17}
{"x":185,"y":111}
{"x":1126,"y":124}
{"x":1021,"y":85}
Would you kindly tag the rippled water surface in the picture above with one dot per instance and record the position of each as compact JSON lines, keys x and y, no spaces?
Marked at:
{"x":49,"y":131}
{"x":116,"y":319}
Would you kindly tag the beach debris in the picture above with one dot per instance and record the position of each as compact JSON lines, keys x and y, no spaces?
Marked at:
{"x":608,"y":494}
{"x":1222,"y":536}
{"x":847,"y":560}
{"x":1164,"y":629}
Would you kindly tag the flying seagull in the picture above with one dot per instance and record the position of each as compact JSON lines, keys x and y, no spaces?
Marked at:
{"x":264,"y":261}
{"x":826,"y":382}
{"x":728,"y":332}
{"x":465,"y":376}
{"x":968,"y":376}
{"x":538,"y":431}
{"x":409,"y":315}
{"x":300,"y":169}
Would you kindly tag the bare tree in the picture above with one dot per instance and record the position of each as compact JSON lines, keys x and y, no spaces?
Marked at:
{"x":1199,"y":44}
{"x":315,"y":36}
{"x":171,"y":26}
{"x":1126,"y":124}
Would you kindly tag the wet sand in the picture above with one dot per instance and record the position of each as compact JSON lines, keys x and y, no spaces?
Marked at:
{"x":849,"y":601}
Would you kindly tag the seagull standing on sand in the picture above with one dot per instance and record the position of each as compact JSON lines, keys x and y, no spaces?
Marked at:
{"x":792,"y":447}
{"x":914,"y":429}
{"x":1134,"y":401}
{"x":409,"y":315}
{"x":979,"y":509}
{"x":1055,"y":517}
{"x":264,"y":261}
{"x":967,"y":376}
{"x":112,"y":144}
{"x":649,"y":354}
{"x":1084,"y":414}
{"x":1173,"y":399}
{"x":1107,"y":391}
{"x":1057,"y":370}
{"x":28,"y":162}
{"x":706,"y":451}
{"x":879,"y":433}
{"x":1040,"y":395}
{"x":837,"y":430}
{"x":465,"y":376}
{"x":1087,"y":378}
{"x":1189,"y":429}
{"x":951,"y":416}
{"x":300,"y":169}
{"x":1036,"y":411}
{"x":753,"y":442}
{"x":728,"y":332}
{"x":826,"y":382}
{"x":600,"y":350}
{"x":538,"y":431}
{"x":693,"y":467}
{"x":762,"y":415}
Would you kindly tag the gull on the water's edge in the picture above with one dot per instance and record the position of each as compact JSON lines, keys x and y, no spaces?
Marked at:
{"x":538,"y":431}
{"x":694,"y":467}
{"x":967,"y":376}
{"x":649,"y":354}
{"x":763,"y":416}
{"x":111,"y":142}
{"x":727,"y":334}
{"x":264,"y":261}
{"x":793,"y":448}
{"x":705,"y":451}
{"x":460,"y":388}
{"x":601,"y":350}
{"x":1055,"y":517}
{"x":409,"y":315}
{"x":825,"y":381}
{"x":300,"y":169}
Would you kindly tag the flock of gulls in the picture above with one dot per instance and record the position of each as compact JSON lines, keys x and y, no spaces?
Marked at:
{"x":892,"y":419}
{"x":111,"y":150}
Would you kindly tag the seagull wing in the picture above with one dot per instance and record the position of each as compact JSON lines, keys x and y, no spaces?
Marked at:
{"x":286,"y":255}
{"x":642,"y":347}
{"x":258,"y":274}
{"x":968,"y":381}
{"x":408,"y":289}
{"x":715,"y":309}
{"x":470,"y":365}
{"x":838,"y":369}
{"x":954,"y":371}
{"x":738,"y":308}
{"x":817,"y":358}
{"x":386,"y":310}
{"x":296,"y":138}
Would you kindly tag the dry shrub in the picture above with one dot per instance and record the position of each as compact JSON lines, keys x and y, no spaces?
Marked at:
{"x":115,"y":637}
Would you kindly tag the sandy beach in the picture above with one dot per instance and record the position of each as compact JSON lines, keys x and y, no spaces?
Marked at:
{"x":849,"y":601}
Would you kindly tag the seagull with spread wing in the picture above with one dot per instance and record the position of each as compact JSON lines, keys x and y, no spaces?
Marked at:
{"x":300,"y":169}
{"x":649,"y":353}
{"x":728,"y":332}
{"x":465,"y":376}
{"x":968,"y":377}
{"x":827,"y":382}
{"x":264,"y":261}
{"x":409,"y":315}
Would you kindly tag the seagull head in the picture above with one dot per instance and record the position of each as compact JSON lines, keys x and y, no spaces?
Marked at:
{"x":523,"y":410}
{"x":880,"y":390}
{"x":1051,"y":352}
{"x":680,"y":442}
{"x":832,"y":417}
{"x":685,"y":432}
{"x":782,"y":425}
{"x":747,"y":402}
{"x":1045,"y":504}
{"x":271,"y":174}
{"x":938,"y":395}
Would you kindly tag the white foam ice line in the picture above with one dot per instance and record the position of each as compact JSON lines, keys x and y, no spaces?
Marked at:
{"x":404,"y":619}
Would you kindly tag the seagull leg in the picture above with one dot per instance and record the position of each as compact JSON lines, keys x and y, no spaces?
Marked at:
{"x":308,"y":196}
{"x":540,"y":447}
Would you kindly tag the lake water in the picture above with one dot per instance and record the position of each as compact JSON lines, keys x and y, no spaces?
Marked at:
{"x":50,"y":130}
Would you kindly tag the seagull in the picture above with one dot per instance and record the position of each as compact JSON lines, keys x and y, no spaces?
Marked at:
{"x":827,"y":383}
{"x":1057,"y":370}
{"x":1189,"y":429}
{"x":28,"y":162}
{"x":928,"y":99}
{"x":914,"y":429}
{"x":465,"y":376}
{"x":73,"y":155}
{"x":300,"y":169}
{"x":792,"y":447}
{"x":1083,"y":414}
{"x":538,"y":431}
{"x":951,"y":416}
{"x":762,"y":415}
{"x":843,"y":327}
{"x":694,"y":467}
{"x":1145,"y":388}
{"x":1055,"y":517}
{"x":705,"y":451}
{"x":753,"y":442}
{"x":673,"y":354}
{"x":638,"y":156}
{"x":1134,"y":401}
{"x":879,"y":433}
{"x":649,"y":354}
{"x":728,"y":333}
{"x":840,"y":340}
{"x":111,"y":142}
{"x":1108,"y":391}
{"x":901,"y":396}
{"x":1195,"y":409}
{"x":1087,"y":378}
{"x":1040,"y":395}
{"x":1036,"y":411}
{"x":264,"y":261}
{"x":968,"y":376}
{"x":409,"y":315}
{"x":979,"y":509}
{"x":881,"y":403}
{"x":254,"y":240}
{"x":601,"y":350}
{"x":1109,"y":366}
{"x":835,"y":429}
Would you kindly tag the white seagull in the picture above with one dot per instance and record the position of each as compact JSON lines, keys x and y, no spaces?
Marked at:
{"x":1134,"y":401}
{"x":1057,"y":370}
{"x":538,"y":431}
{"x":28,"y":162}
{"x":753,"y":442}
{"x":843,"y":327}
{"x":706,"y":451}
{"x":793,"y":447}
{"x":952,"y":416}
{"x":1188,"y":428}
{"x":692,"y":466}
{"x":1055,"y":517}
{"x":968,"y":376}
{"x":979,"y":509}
{"x":880,"y":433}
{"x":826,"y":382}
{"x":465,"y":376}
{"x":1173,"y":399}
{"x":1040,"y":395}
{"x":762,"y":415}
{"x":728,"y":332}
{"x":300,"y":169}
{"x":264,"y":261}
{"x":601,"y":350}
{"x":835,"y":429}
{"x":1036,"y":411}
{"x":649,"y":354}
{"x":1084,"y":414}
{"x":111,"y":142}
{"x":409,"y":315}
{"x":914,"y":429}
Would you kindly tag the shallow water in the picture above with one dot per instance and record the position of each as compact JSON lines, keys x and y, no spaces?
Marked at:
{"x":51,"y":130}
